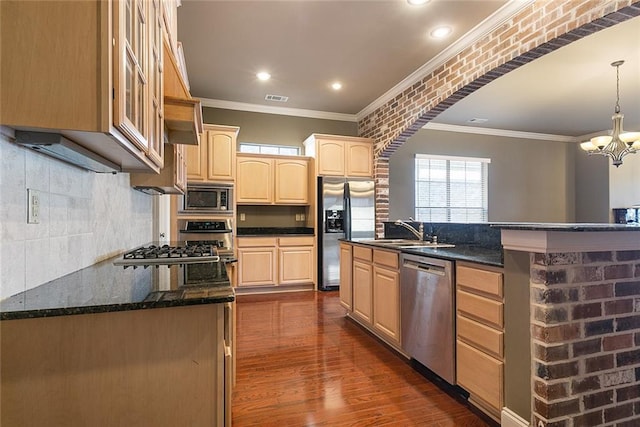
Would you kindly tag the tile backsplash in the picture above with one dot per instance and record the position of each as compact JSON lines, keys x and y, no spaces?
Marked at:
{"x":84,"y":218}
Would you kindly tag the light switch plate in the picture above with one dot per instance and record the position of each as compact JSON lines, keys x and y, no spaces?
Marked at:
{"x":33,"y":206}
{"x":242,"y":217}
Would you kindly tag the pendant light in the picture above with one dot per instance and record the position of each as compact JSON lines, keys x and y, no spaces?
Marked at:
{"x":619,"y":143}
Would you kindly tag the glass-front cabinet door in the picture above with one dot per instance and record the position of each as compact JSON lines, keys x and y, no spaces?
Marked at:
{"x":131,"y":82}
{"x":156,"y":125}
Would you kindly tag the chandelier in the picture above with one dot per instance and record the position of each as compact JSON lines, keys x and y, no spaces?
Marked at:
{"x":619,"y":143}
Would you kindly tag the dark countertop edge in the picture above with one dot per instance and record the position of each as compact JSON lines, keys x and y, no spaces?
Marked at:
{"x":569,"y":227}
{"x":443,"y":253}
{"x":142,"y":305}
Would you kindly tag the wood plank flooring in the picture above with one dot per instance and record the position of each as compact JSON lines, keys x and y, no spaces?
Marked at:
{"x":300,"y":362}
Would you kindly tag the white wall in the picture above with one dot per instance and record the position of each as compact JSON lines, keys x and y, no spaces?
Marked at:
{"x":84,"y":217}
{"x":624,"y":182}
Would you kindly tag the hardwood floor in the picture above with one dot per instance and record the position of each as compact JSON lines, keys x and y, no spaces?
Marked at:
{"x":300,"y":362}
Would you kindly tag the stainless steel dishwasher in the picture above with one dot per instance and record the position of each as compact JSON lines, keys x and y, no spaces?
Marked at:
{"x":427,"y":319}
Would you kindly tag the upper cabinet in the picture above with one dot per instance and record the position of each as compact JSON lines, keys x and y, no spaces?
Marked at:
{"x":341,"y":155}
{"x":101,"y":93}
{"x":280,"y":180}
{"x":214,"y":160}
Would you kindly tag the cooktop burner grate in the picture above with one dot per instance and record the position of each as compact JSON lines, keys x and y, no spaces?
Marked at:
{"x":169,"y":255}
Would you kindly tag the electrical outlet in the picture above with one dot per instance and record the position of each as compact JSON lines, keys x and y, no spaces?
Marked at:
{"x":302,"y":218}
{"x":33,"y":206}
{"x":297,"y":217}
{"x":242,"y":217}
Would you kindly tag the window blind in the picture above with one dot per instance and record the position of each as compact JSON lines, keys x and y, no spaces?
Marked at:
{"x":451,"y":189}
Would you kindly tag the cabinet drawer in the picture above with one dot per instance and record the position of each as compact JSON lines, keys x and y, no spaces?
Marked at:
{"x":481,"y":336}
{"x":363,"y":253}
{"x":483,"y":281}
{"x":387,"y":258}
{"x":479,"y":308}
{"x":296,"y":241}
{"x":255,"y":242}
{"x":480,"y":374}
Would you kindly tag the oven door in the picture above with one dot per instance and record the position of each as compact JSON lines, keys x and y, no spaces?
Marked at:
{"x":204,"y":273}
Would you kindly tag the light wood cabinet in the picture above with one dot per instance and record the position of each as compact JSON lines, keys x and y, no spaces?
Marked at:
{"x":255,"y":180}
{"x":291,"y":181}
{"x":370,"y":289}
{"x":386,"y":297}
{"x":257,"y":261}
{"x":172,"y":178}
{"x":104,"y":102}
{"x":363,"y":290}
{"x":296,"y":257}
{"x":271,"y":261}
{"x":341,"y":155}
{"x":214,"y":160}
{"x":479,"y":336}
{"x":281,"y":180}
{"x":95,"y":369}
{"x":346,"y":263}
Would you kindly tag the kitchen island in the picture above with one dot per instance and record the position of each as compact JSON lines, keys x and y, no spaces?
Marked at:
{"x":109,"y":345}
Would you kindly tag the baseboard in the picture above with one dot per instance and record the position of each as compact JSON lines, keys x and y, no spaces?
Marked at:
{"x":508,"y":418}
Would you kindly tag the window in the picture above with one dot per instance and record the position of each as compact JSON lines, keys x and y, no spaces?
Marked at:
{"x":451,"y":189}
{"x":285,"y":150}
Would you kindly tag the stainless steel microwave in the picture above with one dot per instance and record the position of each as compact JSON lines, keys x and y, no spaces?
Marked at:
{"x":208,"y":199}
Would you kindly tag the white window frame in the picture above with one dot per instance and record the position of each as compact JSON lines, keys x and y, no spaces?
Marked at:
{"x":252,"y":147}
{"x":449,"y":206}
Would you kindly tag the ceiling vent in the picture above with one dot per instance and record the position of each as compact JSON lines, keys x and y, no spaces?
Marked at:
{"x":276,"y":98}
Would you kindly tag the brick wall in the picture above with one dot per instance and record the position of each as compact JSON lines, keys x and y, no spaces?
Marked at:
{"x":536,"y":30}
{"x":585,"y":327}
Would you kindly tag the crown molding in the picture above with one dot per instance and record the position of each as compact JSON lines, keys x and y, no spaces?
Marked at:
{"x":477,"y":32}
{"x":283,"y":111}
{"x":500,"y":132}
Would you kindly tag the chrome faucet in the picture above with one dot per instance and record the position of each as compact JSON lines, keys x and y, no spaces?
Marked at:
{"x":419,"y":233}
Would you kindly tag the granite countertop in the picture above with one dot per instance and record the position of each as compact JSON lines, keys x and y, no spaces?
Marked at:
{"x":462,"y":252}
{"x":566,"y":226}
{"x":104,"y":287}
{"x":274,"y":231}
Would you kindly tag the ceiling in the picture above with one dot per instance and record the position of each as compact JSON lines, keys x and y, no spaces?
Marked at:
{"x":376,"y":47}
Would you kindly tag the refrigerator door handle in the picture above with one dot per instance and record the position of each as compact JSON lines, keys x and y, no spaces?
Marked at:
{"x":347,"y":211}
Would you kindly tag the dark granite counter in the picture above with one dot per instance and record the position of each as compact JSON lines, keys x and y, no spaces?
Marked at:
{"x":462,"y":252}
{"x":104,"y":287}
{"x":274,"y":231}
{"x":532,"y":226}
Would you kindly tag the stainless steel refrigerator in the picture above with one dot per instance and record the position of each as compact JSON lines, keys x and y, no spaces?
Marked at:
{"x":346,"y":209}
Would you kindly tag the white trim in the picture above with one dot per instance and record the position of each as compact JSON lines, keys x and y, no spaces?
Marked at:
{"x":500,"y":132}
{"x":482,"y":29}
{"x":283,"y":111}
{"x":544,"y":242}
{"x":456,"y":158}
{"x":508,"y":418}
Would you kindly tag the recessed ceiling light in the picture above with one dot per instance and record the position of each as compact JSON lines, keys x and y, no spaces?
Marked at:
{"x":336,"y":85}
{"x":441,"y":32}
{"x":263,"y":75}
{"x":417,"y":2}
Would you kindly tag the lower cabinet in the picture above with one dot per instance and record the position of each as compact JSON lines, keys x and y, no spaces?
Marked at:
{"x":346,"y":271}
{"x":375,"y":290}
{"x":276,"y":261}
{"x":480,"y":334}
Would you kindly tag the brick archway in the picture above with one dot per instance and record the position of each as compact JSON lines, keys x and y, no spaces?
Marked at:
{"x":538,"y":29}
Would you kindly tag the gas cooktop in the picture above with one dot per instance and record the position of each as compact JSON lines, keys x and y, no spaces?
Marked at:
{"x":169,"y":255}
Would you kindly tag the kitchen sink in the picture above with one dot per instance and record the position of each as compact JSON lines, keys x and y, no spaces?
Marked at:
{"x":406,"y":243}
